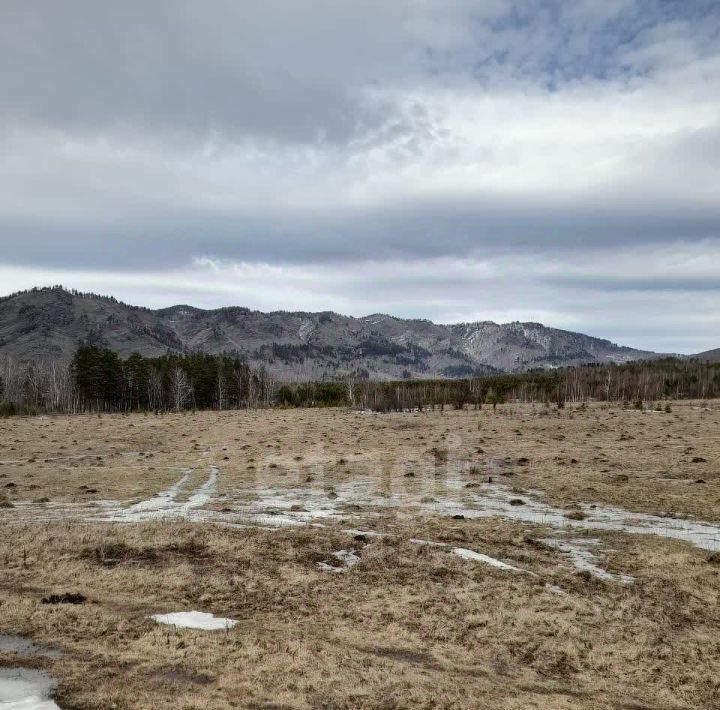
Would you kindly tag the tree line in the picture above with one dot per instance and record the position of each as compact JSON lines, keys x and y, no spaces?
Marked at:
{"x":99,"y":380}
{"x":633,"y":383}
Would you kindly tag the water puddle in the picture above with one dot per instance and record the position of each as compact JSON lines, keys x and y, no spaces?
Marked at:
{"x":500,"y":501}
{"x":280,"y":507}
{"x":462,"y":497}
{"x":25,"y":689}
{"x":10,"y":643}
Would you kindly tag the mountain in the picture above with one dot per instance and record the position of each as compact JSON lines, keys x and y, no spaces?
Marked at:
{"x":709,"y":355}
{"x":52,"y":322}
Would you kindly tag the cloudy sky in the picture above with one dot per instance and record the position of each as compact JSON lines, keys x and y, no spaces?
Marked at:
{"x":450,"y":159}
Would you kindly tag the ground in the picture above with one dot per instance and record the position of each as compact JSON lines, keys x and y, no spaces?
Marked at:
{"x":239,"y":514}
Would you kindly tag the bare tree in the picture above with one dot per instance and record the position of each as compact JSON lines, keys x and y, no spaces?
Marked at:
{"x":221,"y":388}
{"x":180,"y":388}
{"x":350,"y":385}
{"x":608,"y":384}
{"x":60,"y":386}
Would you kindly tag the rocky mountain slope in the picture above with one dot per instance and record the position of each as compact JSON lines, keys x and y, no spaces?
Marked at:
{"x":52,"y":322}
{"x":709,"y":355}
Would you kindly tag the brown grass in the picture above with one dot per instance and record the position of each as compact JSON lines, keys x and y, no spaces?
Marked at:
{"x":410,"y":626}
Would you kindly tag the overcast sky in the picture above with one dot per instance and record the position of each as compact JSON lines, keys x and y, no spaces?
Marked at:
{"x":456,"y":160}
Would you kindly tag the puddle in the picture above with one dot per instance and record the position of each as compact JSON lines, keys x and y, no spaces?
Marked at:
{"x":25,"y":689}
{"x":277,"y":507}
{"x":347,"y":559}
{"x":10,"y":643}
{"x":194,"y":620}
{"x":497,"y":500}
{"x":315,"y":504}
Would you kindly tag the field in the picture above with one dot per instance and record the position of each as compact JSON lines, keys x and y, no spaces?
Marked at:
{"x":527,"y":557}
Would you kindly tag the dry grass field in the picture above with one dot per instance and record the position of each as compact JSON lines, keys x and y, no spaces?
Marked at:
{"x":523,"y":558}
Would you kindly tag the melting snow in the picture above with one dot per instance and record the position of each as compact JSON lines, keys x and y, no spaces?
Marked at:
{"x":418,"y":541}
{"x":486,"y":559}
{"x":163,"y":501}
{"x":288,"y":506}
{"x":347,"y":558}
{"x":203,"y":494}
{"x":165,"y":504}
{"x":194,"y":620}
{"x":292,"y":506}
{"x":495,"y":501}
{"x":554,"y":589}
{"x":582,"y":558}
{"x":25,"y":689}
{"x":365,"y":533}
{"x":473,"y":556}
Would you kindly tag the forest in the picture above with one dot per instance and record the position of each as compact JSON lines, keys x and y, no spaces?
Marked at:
{"x":98,"y":380}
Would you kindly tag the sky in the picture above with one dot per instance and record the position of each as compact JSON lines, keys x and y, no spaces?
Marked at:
{"x":454,"y":160}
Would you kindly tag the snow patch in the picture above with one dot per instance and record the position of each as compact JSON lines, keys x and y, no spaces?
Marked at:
{"x":347,"y":559}
{"x":495,"y":501}
{"x":203,"y":494}
{"x":581,"y":556}
{"x":466,"y":554}
{"x":554,"y":589}
{"x":165,"y":504}
{"x":306,"y":329}
{"x":473,"y":556}
{"x":165,"y":500}
{"x":194,"y":620}
{"x":25,"y":689}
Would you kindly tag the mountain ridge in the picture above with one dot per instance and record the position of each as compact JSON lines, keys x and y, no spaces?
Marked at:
{"x":709,"y":355}
{"x":53,"y":321}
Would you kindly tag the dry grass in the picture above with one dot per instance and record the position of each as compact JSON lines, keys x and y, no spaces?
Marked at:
{"x":411,"y":626}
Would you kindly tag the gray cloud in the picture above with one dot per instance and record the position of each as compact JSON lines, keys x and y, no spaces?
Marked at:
{"x":485,"y":225}
{"x":272,"y":70}
{"x":138,"y":137}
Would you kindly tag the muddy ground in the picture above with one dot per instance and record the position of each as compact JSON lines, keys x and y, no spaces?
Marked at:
{"x":523,"y":558}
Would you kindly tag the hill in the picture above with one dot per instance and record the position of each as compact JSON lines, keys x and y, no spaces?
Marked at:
{"x":52,"y":322}
{"x":709,"y":355}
